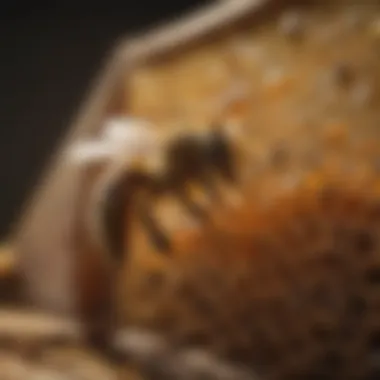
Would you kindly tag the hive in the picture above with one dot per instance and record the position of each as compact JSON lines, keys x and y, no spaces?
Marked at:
{"x":287,"y":282}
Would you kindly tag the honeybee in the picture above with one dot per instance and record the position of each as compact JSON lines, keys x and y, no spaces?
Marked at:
{"x":185,"y":159}
{"x":146,"y":166}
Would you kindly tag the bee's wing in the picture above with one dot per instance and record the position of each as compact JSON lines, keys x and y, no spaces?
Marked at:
{"x":89,"y":152}
{"x":131,"y":137}
{"x":124,"y":128}
{"x":122,"y":138}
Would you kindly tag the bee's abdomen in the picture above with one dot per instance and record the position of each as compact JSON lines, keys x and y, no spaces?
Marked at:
{"x":293,"y":291}
{"x":118,"y":200}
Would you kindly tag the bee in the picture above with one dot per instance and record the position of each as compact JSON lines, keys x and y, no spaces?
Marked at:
{"x":203,"y":159}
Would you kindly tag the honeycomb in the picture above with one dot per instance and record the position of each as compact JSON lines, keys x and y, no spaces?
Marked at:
{"x":291,"y":290}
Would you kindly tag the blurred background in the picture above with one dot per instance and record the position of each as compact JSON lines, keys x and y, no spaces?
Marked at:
{"x":50,"y":53}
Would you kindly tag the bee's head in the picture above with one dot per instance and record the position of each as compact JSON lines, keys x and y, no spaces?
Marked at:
{"x":223,"y":146}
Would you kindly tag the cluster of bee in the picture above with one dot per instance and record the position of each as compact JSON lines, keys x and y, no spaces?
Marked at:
{"x":142,"y":166}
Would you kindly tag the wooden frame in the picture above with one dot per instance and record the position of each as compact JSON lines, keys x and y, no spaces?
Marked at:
{"x":42,"y":239}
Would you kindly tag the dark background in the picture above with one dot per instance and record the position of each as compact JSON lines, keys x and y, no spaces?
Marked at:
{"x":50,"y":52}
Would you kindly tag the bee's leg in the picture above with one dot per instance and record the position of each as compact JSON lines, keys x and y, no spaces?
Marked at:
{"x":190,"y":205}
{"x":159,"y":239}
{"x":210,"y":185}
{"x":115,"y":218}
